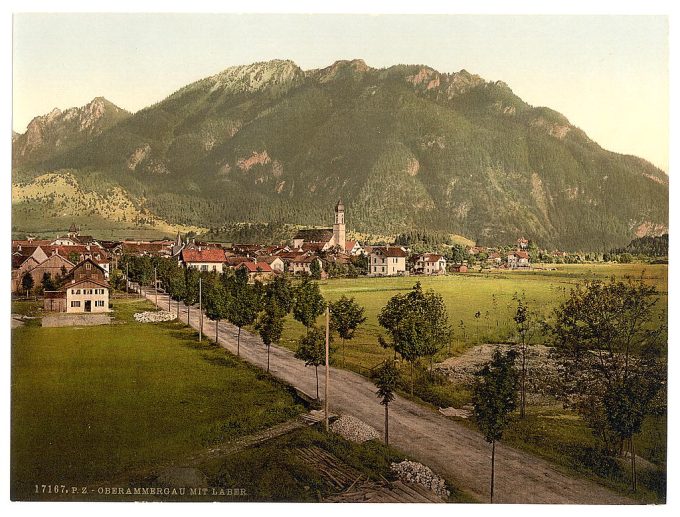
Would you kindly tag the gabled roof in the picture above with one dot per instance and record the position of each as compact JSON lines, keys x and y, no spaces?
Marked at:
{"x":315,"y":234}
{"x":268,"y":259}
{"x":90,"y":282}
{"x":389,"y":251}
{"x":203,"y":255}
{"x":430,"y":257}
{"x":252,"y":267}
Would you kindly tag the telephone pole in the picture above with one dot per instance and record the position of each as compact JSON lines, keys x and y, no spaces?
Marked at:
{"x":127,"y":277}
{"x":325,"y":394}
{"x":155,"y":285}
{"x":200,"y":308}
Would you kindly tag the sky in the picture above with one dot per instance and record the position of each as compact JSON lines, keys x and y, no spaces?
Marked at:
{"x":607,"y":74}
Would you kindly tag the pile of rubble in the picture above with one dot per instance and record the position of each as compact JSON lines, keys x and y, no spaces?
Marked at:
{"x":154,"y":316}
{"x":354,"y":429}
{"x":414,"y":472}
{"x":542,"y":371}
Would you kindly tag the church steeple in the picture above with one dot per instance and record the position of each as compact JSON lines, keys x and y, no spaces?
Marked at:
{"x":339,"y":226}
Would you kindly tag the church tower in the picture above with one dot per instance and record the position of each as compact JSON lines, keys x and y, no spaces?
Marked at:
{"x":339,"y":226}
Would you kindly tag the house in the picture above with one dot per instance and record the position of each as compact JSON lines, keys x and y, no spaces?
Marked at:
{"x":55,"y":265}
{"x":257,"y":271}
{"x":459,"y":268}
{"x":210,"y":259}
{"x":387,"y":261}
{"x":518,"y":259}
{"x":522,"y":244}
{"x":494,"y":259}
{"x":302,"y":264}
{"x":353,"y":248}
{"x":274,"y":262}
{"x":430,"y":264}
{"x":20,"y":266}
{"x":85,"y":290}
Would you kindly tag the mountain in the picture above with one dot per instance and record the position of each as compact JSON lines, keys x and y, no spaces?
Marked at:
{"x":405,"y":147}
{"x":59,"y":130}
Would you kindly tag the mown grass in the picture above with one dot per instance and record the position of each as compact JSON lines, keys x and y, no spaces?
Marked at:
{"x":90,"y":403}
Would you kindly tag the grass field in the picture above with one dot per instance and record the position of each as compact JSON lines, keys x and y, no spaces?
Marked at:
{"x":89,"y":403}
{"x":548,"y":431}
{"x":490,"y":294}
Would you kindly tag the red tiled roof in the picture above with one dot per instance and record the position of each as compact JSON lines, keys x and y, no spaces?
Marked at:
{"x":268,"y":259}
{"x":431,"y":257}
{"x":260,"y":267}
{"x":390,"y":251}
{"x":203,"y":255}
{"x":522,"y":254}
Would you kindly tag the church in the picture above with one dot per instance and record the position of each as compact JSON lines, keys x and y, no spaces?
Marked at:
{"x":325,"y":238}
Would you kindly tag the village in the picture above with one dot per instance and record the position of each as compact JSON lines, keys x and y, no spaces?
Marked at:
{"x":72,"y":271}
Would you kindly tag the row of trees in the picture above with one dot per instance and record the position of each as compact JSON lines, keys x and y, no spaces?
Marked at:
{"x":604,"y":337}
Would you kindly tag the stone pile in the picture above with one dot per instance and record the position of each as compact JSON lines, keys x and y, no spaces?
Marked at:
{"x":354,"y":429}
{"x":414,"y":472}
{"x":154,"y":316}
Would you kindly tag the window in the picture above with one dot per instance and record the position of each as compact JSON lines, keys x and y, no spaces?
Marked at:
{"x":204,"y":267}
{"x":214,"y":267}
{"x":75,"y":304}
{"x":99,"y":303}
{"x":77,"y":291}
{"x":88,"y":265}
{"x":383,"y":269}
{"x":73,"y":291}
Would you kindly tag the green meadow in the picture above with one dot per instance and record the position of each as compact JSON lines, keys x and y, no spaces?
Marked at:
{"x":89,"y":404}
{"x":480,"y":305}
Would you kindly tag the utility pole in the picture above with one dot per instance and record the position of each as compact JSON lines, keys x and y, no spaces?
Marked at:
{"x":325,"y":394}
{"x":127,"y":277}
{"x":155,"y":285}
{"x":200,"y":308}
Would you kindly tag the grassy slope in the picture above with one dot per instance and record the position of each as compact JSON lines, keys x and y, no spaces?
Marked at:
{"x":89,"y":403}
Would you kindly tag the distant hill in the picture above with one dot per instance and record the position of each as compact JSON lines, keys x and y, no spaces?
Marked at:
{"x":648,"y":246}
{"x":406,"y":147}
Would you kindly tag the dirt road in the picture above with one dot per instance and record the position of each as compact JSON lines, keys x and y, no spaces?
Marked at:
{"x":425,"y":435}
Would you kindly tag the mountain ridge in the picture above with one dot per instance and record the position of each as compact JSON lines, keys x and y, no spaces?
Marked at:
{"x":440,"y":151}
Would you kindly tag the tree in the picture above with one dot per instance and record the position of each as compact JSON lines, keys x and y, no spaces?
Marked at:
{"x":280,"y":291}
{"x":244,"y":306}
{"x":611,"y":354}
{"x":218,"y":303}
{"x":387,"y":381}
{"x":270,"y":326}
{"x":417,"y":323}
{"x":346,"y":316}
{"x":27,"y":282}
{"x":176,"y":285}
{"x":526,"y":327}
{"x":47,"y":283}
{"x":309,"y":303}
{"x":494,"y":397}
{"x":190,"y":295}
{"x":312,"y":350}
{"x":315,"y":269}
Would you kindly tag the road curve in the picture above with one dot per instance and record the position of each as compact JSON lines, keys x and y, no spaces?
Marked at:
{"x":447,"y":447}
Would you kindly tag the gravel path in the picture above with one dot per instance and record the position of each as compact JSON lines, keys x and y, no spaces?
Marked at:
{"x":447,"y":447}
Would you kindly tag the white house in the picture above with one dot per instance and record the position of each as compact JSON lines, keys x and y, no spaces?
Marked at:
{"x":387,"y":261}
{"x":430,"y":264}
{"x":518,"y":259}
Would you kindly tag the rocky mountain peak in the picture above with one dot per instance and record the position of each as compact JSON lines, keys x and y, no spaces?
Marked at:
{"x":257,"y":76}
